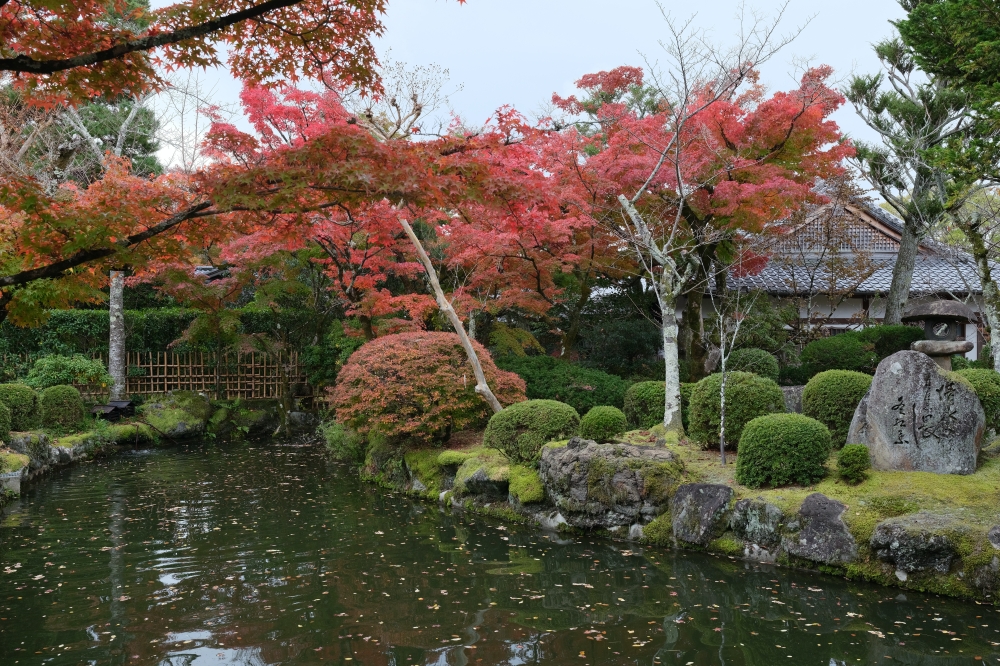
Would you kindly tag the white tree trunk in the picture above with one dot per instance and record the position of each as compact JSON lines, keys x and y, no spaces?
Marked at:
{"x":116,"y":343}
{"x":482,"y":388}
{"x":671,"y":361}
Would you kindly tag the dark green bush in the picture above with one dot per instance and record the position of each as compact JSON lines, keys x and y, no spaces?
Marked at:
{"x":644,"y":404}
{"x":747,"y":397}
{"x":986,"y":384}
{"x":603,"y":423}
{"x":343,"y":443}
{"x":782,"y":449}
{"x":839,"y":352}
{"x":551,"y":378}
{"x":887,"y":340}
{"x":832,"y":396}
{"x":686,"y":391}
{"x":853,"y":463}
{"x":757,"y":361}
{"x":793,"y":375}
{"x":4,"y":422}
{"x":522,"y":429}
{"x":61,"y":408}
{"x":57,"y":370}
{"x":22,"y":401}
{"x":323,"y":361}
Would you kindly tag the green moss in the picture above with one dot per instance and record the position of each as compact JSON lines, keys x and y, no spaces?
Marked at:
{"x":11,"y":462}
{"x":118,"y":433}
{"x":727,"y":545}
{"x":525,"y":484}
{"x":493,"y":463}
{"x":660,"y":531}
{"x":424,"y":465}
{"x":452,"y":457}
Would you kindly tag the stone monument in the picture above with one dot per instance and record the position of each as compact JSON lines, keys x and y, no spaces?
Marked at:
{"x":918,"y":417}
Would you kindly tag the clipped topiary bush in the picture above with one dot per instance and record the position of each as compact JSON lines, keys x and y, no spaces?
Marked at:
{"x":63,"y":370}
{"x":418,"y":387}
{"x":853,"y":463}
{"x":4,"y":422}
{"x":549,"y":378}
{"x":782,"y":449}
{"x":747,"y":397}
{"x":644,"y":404}
{"x":839,"y":352}
{"x":22,"y":401}
{"x":832,"y":396}
{"x":521,"y":430}
{"x":986,"y":384}
{"x":61,"y":408}
{"x":603,"y":424}
{"x":757,"y":361}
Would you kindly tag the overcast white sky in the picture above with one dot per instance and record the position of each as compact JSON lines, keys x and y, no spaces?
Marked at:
{"x":519,"y":52}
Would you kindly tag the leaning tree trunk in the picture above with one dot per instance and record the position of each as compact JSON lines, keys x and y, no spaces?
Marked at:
{"x":902,"y":275}
{"x":482,"y":388}
{"x":116,"y":343}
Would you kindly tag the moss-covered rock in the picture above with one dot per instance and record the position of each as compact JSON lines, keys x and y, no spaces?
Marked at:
{"x":178,"y":415}
{"x":487,"y":474}
{"x":12,"y":462}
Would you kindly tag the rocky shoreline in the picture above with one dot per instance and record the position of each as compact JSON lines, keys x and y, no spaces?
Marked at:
{"x":653,"y":493}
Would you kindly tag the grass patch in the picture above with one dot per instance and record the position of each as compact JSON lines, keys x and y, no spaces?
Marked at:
{"x":11,"y":462}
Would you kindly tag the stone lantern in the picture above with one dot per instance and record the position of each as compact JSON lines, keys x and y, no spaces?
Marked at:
{"x":942,"y":320}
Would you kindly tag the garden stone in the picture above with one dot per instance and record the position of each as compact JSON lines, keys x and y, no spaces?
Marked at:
{"x":994,"y":536}
{"x":818,"y":533}
{"x":793,"y":398}
{"x":700,"y":512}
{"x":178,"y":415}
{"x":608,"y":485}
{"x":757,"y":522}
{"x":917,"y":418}
{"x":917,"y":542}
{"x":480,"y":483}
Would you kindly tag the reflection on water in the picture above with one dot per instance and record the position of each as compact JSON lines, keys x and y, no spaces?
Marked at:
{"x":272,"y":555}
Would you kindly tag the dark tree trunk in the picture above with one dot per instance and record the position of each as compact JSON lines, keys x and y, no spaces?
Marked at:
{"x":902,"y":276}
{"x":694,"y":322}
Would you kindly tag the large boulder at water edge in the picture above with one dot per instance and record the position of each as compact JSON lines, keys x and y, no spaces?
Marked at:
{"x":609,"y":485}
{"x":918,"y":542}
{"x":818,"y":532}
{"x":178,"y":415}
{"x":917,"y":417}
{"x":700,"y":512}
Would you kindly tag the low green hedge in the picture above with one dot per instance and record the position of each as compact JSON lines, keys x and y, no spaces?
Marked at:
{"x":832,"y":396}
{"x":522,"y":429}
{"x":853,"y":463}
{"x":782,"y":449}
{"x":986,"y":384}
{"x":747,"y":397}
{"x":603,"y":423}
{"x":22,"y":401}
{"x":757,"y":361}
{"x":57,"y":370}
{"x":549,"y":378}
{"x":4,"y":422}
{"x":61,"y":408}
{"x":839,"y":352}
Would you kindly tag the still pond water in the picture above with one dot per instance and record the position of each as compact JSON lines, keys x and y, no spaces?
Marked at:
{"x":268,"y":554}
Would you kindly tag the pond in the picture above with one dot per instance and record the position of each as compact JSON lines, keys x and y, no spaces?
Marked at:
{"x":271,"y":554}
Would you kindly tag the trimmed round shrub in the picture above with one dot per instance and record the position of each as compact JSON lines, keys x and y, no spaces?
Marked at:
{"x":521,"y":430}
{"x":757,"y":361}
{"x":549,"y":378}
{"x":853,"y":463}
{"x":61,"y":408}
{"x":887,"y":340}
{"x":747,"y":397}
{"x":5,"y":421}
{"x":22,"y":401}
{"x":986,"y":384}
{"x":603,"y":423}
{"x":832,"y":396}
{"x":644,"y":404}
{"x":839,"y":352}
{"x":59,"y":370}
{"x":418,"y":387}
{"x":782,"y":449}
{"x":686,"y":391}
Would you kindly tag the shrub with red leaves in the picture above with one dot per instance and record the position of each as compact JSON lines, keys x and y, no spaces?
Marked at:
{"x":418,"y":386}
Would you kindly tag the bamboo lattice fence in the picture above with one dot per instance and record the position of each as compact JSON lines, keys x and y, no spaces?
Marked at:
{"x":244,"y":375}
